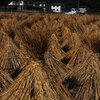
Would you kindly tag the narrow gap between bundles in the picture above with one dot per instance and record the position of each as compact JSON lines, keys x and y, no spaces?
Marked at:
{"x":15,"y":73}
{"x":65,"y":60}
{"x":71,"y":83}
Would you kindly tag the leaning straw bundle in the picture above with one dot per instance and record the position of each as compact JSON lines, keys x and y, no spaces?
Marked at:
{"x":45,"y":90}
{"x":31,"y":84}
{"x":70,"y":43}
{"x":35,"y":45}
{"x":54,"y":47}
{"x":5,"y":80}
{"x":79,"y":57}
{"x":11,"y":58}
{"x":67,"y":49}
{"x":56,"y":70}
{"x":21,"y":88}
{"x":84,"y":81}
{"x":34,"y":87}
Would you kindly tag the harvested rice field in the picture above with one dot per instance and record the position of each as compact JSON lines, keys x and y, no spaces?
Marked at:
{"x":49,"y":56}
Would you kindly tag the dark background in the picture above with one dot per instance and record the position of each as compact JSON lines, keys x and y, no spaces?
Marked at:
{"x":93,"y":5}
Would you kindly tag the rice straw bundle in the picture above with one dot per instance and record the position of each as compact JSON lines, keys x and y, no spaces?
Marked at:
{"x":95,"y":41}
{"x":5,"y":80}
{"x":32,"y":83}
{"x":70,"y":43}
{"x":11,"y":58}
{"x":54,"y":47}
{"x":56,"y":70}
{"x":21,"y":88}
{"x":44,"y":89}
{"x":79,"y":57}
{"x":84,"y":81}
{"x":34,"y":44}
